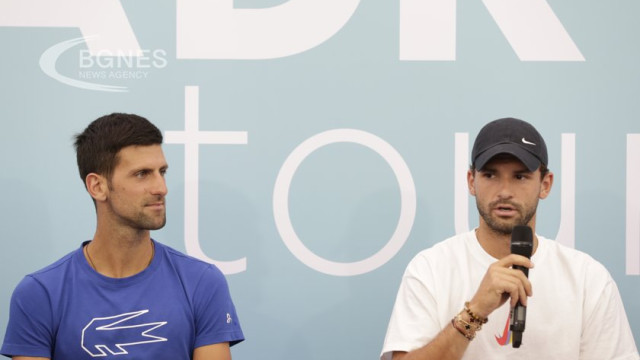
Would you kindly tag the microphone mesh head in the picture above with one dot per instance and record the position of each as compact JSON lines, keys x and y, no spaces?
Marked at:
{"x":522,"y":240}
{"x":522,"y":233}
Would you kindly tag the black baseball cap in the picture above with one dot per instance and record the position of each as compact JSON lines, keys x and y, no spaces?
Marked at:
{"x":509,"y":136}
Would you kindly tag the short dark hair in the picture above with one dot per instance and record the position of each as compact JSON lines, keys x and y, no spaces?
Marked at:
{"x":98,"y":145}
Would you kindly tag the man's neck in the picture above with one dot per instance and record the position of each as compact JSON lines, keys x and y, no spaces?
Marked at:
{"x":120,"y":254}
{"x":496,"y":244}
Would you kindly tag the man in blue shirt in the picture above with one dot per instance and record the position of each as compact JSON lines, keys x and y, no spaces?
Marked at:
{"x":123,"y":295}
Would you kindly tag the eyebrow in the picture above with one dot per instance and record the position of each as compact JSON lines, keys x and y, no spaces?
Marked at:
{"x":146,"y":168}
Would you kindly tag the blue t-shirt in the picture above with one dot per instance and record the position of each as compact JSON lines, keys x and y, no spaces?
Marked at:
{"x":68,"y":311}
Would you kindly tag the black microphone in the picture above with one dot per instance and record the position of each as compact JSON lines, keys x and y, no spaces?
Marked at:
{"x":521,"y":244}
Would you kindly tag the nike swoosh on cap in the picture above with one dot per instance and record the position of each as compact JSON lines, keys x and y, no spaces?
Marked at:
{"x":527,"y":142}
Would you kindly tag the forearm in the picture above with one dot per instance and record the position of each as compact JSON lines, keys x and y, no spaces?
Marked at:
{"x":450,"y":344}
{"x":452,"y":341}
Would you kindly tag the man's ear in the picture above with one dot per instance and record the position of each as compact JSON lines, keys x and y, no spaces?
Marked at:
{"x":545,"y":186}
{"x":97,"y":186}
{"x":471,"y":182}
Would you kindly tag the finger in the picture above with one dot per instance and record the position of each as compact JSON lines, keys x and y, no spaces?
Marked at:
{"x":524,"y":288}
{"x":514,"y":259}
{"x":526,"y":283}
{"x":522,"y":294}
{"x":511,"y":286}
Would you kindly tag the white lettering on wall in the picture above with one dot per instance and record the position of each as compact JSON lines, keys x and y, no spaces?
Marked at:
{"x":192,"y":137}
{"x":213,"y":29}
{"x":104,"y":20}
{"x":633,"y":204}
{"x":407,"y":202}
{"x":567,"y":230}
{"x":461,"y":189}
{"x":533,"y":30}
{"x":428,"y":30}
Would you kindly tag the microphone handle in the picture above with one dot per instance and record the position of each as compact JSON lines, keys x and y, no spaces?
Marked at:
{"x":518,"y":316}
{"x":521,"y":244}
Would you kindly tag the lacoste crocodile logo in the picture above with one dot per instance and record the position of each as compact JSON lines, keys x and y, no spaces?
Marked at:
{"x":112,"y":334}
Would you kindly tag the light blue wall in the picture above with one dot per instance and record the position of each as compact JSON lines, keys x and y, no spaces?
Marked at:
{"x":344,"y":199}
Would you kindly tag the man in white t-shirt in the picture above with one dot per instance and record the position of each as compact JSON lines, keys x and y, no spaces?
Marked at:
{"x":450,"y":291}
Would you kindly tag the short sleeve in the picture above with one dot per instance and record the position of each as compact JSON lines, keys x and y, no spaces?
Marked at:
{"x":216,"y":318}
{"x":30,"y":330}
{"x":414,"y":321}
{"x":606,"y":333}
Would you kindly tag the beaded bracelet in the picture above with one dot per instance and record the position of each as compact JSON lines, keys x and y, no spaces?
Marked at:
{"x":474,"y":317}
{"x":468,"y":329}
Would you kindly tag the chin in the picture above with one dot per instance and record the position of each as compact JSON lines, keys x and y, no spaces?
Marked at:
{"x":501,"y":227}
{"x":153,"y":225}
{"x":159,"y":226}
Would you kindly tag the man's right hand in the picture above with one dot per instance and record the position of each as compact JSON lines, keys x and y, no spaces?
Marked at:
{"x":500,"y":283}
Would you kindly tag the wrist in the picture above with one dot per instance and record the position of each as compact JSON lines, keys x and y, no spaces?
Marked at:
{"x":467,"y":322}
{"x":475,"y":317}
{"x":463,"y":327}
{"x":475,"y":309}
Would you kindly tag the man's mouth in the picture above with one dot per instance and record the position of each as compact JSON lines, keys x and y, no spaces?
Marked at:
{"x":505,"y":210}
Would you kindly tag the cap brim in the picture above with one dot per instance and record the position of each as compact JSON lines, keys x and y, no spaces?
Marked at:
{"x":528,"y":159}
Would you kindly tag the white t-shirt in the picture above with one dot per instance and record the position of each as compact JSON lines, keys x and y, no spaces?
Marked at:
{"x":575,"y":311}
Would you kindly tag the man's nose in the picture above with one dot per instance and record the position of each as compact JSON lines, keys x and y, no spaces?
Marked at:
{"x":159,"y":186}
